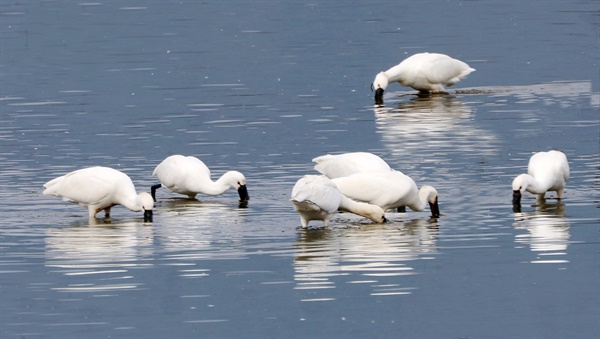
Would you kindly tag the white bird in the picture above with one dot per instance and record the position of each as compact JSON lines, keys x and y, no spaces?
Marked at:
{"x":388,"y":189}
{"x":190,"y":176}
{"x":342,"y":165}
{"x":425,"y":72}
{"x":547,"y":171}
{"x":100,"y":188}
{"x":315,"y":197}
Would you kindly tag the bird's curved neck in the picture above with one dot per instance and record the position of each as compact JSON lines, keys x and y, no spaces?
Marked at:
{"x":213,"y":187}
{"x":421,"y":200}
{"x":132,"y":202}
{"x":360,"y":208}
{"x":537,"y":185}
{"x":395,"y":74}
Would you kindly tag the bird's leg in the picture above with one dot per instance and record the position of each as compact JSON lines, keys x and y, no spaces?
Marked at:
{"x":107,"y":212}
{"x":402,"y":209}
{"x":92,"y":211}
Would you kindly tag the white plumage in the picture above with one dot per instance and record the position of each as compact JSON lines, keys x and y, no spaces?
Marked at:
{"x":190,"y":176}
{"x":425,"y":72}
{"x":100,"y":188}
{"x":342,"y":165}
{"x":388,"y":189}
{"x":315,"y":197}
{"x":547,"y":171}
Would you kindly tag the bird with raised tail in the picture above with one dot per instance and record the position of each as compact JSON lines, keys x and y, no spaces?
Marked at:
{"x":100,"y":188}
{"x":388,"y":189}
{"x":547,"y":171}
{"x":425,"y":72}
{"x":315,"y":197}
{"x":189,"y":176}
{"x":345,"y":164}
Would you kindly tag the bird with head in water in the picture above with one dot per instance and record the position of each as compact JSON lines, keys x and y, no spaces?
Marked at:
{"x":189,"y":176}
{"x":100,"y":188}
{"x":316,"y":197}
{"x":546,"y":172}
{"x":388,"y":189}
{"x":425,"y":72}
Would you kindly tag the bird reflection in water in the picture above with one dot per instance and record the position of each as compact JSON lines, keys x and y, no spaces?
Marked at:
{"x":199,"y":228}
{"x":374,"y":255}
{"x":441,"y":128}
{"x":432,"y":129}
{"x":98,"y":257}
{"x":548,"y":231}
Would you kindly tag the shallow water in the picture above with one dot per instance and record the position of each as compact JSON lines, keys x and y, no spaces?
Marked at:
{"x":264,"y":87}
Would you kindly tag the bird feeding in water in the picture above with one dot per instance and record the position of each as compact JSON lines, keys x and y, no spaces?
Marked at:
{"x":388,"y":189}
{"x":425,"y":72}
{"x":547,"y":171}
{"x":315,"y":197}
{"x":189,"y":176}
{"x":100,"y":188}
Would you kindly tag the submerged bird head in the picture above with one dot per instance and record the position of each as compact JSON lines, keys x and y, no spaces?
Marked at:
{"x":430,"y":194}
{"x":146,"y":203}
{"x":519,"y":185}
{"x":238,"y":181}
{"x":379,"y":85}
{"x":375,"y":213}
{"x":435,"y":208}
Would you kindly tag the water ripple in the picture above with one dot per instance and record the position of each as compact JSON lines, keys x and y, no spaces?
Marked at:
{"x":325,"y":256}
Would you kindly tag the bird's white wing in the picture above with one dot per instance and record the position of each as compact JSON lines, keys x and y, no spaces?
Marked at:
{"x":445,"y":70}
{"x":376,"y":187}
{"x":341,"y":165}
{"x":88,"y":185}
{"x":176,"y":169}
{"x":318,"y":190}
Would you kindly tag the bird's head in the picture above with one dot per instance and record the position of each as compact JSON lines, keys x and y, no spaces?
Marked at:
{"x":430,"y":194}
{"x":379,"y":85}
{"x":146,"y":203}
{"x":519,"y":185}
{"x":238,"y":181}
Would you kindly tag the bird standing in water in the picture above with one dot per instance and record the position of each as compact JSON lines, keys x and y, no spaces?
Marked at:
{"x":425,"y":72}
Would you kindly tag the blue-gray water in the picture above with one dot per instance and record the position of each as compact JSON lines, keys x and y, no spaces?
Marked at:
{"x":263,"y":87}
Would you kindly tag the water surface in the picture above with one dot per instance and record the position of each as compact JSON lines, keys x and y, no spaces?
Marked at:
{"x":264,"y":87}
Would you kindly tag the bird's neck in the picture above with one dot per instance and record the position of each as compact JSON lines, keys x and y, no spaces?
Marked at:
{"x":537,"y":185}
{"x":215,"y":187}
{"x":132,"y":202}
{"x":395,"y":74}
{"x":421,"y":200}
{"x":360,"y":208}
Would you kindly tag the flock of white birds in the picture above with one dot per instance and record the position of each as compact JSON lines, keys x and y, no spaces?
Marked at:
{"x":359,"y":182}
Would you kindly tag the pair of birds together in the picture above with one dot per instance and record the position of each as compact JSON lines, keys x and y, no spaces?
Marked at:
{"x":100,"y":188}
{"x":361,"y":183}
{"x":357,"y":182}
